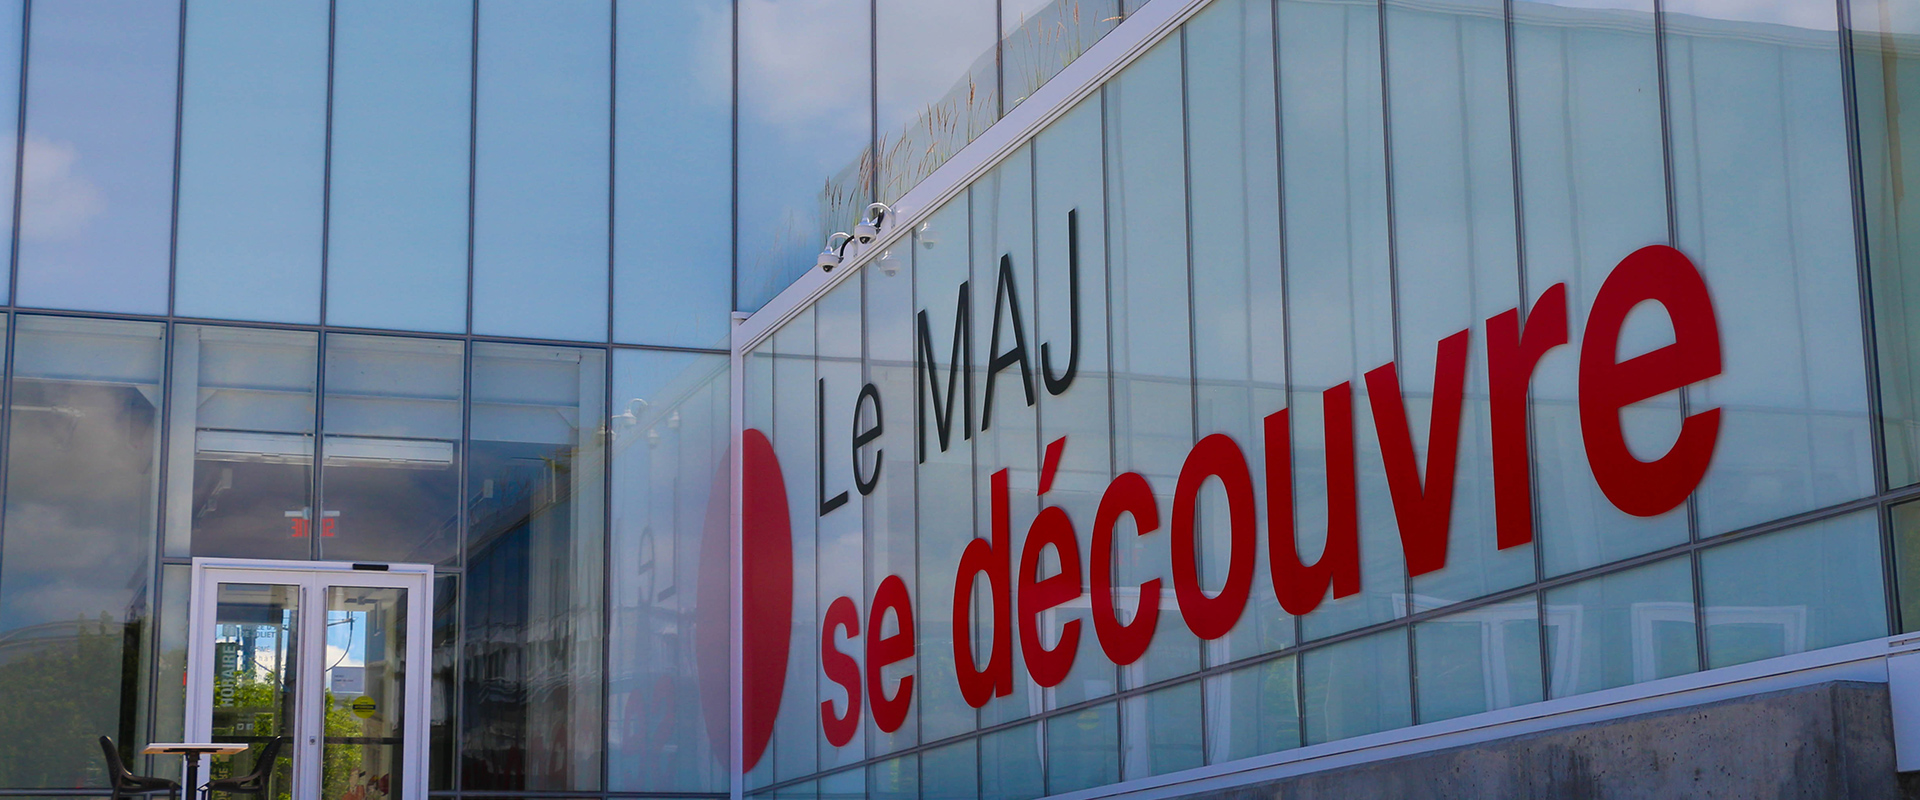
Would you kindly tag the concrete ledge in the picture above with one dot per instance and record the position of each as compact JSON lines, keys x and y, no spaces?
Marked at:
{"x":1827,"y":740}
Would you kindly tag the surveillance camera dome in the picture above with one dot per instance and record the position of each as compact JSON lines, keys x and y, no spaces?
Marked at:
{"x":866,"y":232}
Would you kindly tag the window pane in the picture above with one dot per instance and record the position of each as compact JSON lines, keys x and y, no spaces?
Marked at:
{"x":1162,"y":731}
{"x":389,"y":469}
{"x":805,"y":136}
{"x":1002,"y":233}
{"x":253,"y":144}
{"x":75,"y":568}
{"x":1239,"y":353}
{"x":1627,"y":627}
{"x":1253,"y":711}
{"x":535,"y":562}
{"x":1760,"y":164}
{"x":1814,"y":586}
{"x":1153,"y":370}
{"x":1083,"y":749}
{"x":1070,"y":216}
{"x":795,"y":750}
{"x":936,"y":83}
{"x":898,"y":779}
{"x":1886,"y":79}
{"x":446,"y":690}
{"x":96,"y":202}
{"x":668,"y":642}
{"x":1593,"y":185}
{"x":1041,"y":37}
{"x":1457,"y":262}
{"x":241,"y":447}
{"x":892,"y":533}
{"x":944,"y":478}
{"x":12,"y":15}
{"x":673,"y":174}
{"x":397,"y":213}
{"x":1356,"y":687}
{"x":951,"y":772}
{"x":1339,"y":281}
{"x":1479,"y":660}
{"x":1011,"y":764}
{"x":540,"y":192}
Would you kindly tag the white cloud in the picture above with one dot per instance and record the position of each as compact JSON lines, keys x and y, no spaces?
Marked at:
{"x":62,"y":201}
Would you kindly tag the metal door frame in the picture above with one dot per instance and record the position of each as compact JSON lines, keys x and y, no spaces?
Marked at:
{"x":313,"y":578}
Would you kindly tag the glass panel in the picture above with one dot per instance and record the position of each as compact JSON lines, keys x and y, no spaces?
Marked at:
{"x":1628,"y":627}
{"x":1070,"y":237}
{"x":1338,"y":280}
{"x":96,"y":202}
{"x":840,"y":558}
{"x":1356,"y":687}
{"x":1152,"y":365}
{"x":1253,"y":711}
{"x":256,"y":650}
{"x":936,"y":82}
{"x":1593,"y":184}
{"x":535,"y":565}
{"x":1083,"y":749}
{"x":668,"y":642}
{"x":1002,"y":233}
{"x":1041,"y":37}
{"x":1456,"y":258}
{"x":1886,"y":77}
{"x":897,"y":779}
{"x":951,"y":772}
{"x":1478,"y":660}
{"x":1809,"y":587}
{"x":944,"y":478}
{"x":397,"y":202}
{"x":366,"y":691}
{"x":253,"y":148}
{"x":1162,"y":731}
{"x":241,"y":443}
{"x":1760,"y":165}
{"x":389,"y":473}
{"x":445,"y":698}
{"x":795,"y":750}
{"x":673,"y":175}
{"x":170,"y":697}
{"x":892,"y":531}
{"x":12,"y":15}
{"x":77,"y":560}
{"x":541,"y":169}
{"x":1239,"y":353}
{"x":757,"y":414}
{"x":804,"y":136}
{"x":1011,"y":764}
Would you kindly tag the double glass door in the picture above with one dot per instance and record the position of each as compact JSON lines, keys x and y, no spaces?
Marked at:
{"x":330,"y":660}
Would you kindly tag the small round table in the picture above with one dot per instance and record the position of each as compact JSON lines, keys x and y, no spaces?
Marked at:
{"x":191,"y":752}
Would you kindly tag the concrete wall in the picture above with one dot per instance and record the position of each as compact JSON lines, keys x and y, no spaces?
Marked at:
{"x":1827,"y":741}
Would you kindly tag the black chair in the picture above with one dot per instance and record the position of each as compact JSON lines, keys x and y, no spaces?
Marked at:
{"x":255,"y":782}
{"x":127,"y":784}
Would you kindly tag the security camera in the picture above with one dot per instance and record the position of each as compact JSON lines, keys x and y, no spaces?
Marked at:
{"x":869,"y":227}
{"x":831,"y":255}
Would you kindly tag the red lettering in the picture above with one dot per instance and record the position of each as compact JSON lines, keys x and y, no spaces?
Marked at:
{"x":1123,"y":644}
{"x":979,"y":685}
{"x":1300,"y":588}
{"x":1663,"y":275}
{"x":1052,"y":528}
{"x":841,"y":669}
{"x":1215,"y":456}
{"x":889,"y":712}
{"x":1512,"y":356}
{"x":1425,"y":512}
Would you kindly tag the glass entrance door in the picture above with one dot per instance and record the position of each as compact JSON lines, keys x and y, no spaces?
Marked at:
{"x":328,"y":660}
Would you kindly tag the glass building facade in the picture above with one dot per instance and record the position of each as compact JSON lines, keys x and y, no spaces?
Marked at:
{"x":493,"y":290}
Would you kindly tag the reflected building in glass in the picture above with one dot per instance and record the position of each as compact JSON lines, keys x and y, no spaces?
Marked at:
{"x":963,"y":400}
